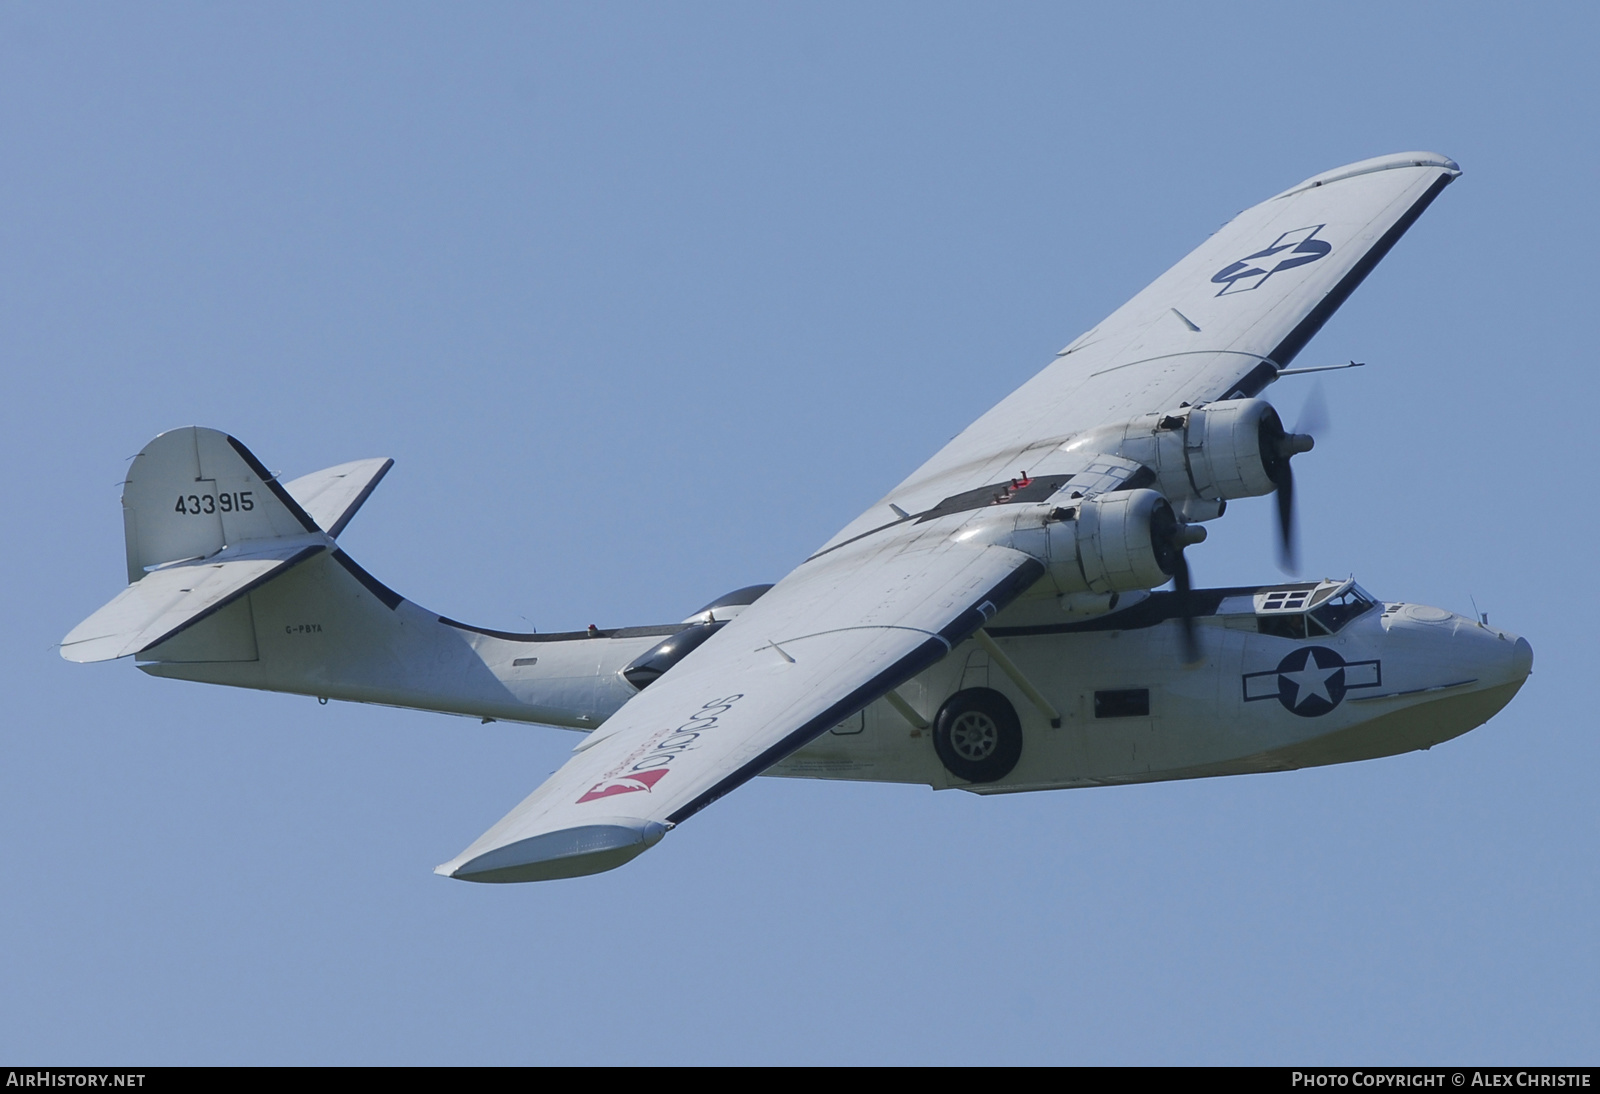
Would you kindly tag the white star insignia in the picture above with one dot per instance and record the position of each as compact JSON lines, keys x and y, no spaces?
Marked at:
{"x":1311,"y":680}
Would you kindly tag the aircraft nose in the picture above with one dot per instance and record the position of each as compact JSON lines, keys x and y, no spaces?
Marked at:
{"x":1510,"y":659}
{"x":1522,"y":658}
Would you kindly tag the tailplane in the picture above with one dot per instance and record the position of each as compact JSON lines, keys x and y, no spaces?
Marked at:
{"x":204,"y":523}
{"x":236,"y":579}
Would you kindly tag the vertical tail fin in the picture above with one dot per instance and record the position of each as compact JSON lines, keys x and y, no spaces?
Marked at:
{"x":193,"y":491}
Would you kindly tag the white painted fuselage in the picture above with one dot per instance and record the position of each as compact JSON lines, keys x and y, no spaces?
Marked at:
{"x":1274,"y":690}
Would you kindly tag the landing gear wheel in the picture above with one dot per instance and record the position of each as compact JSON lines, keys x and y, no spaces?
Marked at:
{"x":977,"y":735}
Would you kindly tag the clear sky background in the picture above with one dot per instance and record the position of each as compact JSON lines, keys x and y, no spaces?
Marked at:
{"x":646,"y":301}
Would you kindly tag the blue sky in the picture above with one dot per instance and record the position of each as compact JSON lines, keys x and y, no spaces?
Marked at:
{"x":646,"y":301}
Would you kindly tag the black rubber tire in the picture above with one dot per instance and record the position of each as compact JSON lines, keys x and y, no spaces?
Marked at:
{"x":977,"y":735}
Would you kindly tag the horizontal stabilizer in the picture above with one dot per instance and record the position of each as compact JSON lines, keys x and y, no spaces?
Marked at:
{"x":332,"y":496}
{"x":170,"y":599}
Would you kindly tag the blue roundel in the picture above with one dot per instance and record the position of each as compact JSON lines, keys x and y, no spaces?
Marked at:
{"x":1311,"y":681}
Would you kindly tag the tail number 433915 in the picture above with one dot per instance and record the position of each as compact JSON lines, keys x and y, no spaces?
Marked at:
{"x":199,"y":504}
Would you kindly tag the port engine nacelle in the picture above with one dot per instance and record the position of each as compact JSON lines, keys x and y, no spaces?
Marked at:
{"x":1236,"y":448}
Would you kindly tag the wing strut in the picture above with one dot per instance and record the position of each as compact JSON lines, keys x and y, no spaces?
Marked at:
{"x":905,"y":709}
{"x":1007,"y":666}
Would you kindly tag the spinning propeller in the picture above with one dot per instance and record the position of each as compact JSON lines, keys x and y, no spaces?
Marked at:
{"x":1170,"y":536}
{"x":1278,"y":448}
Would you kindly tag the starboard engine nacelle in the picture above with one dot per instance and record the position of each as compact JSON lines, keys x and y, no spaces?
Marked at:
{"x":1235,"y":448}
{"x":1120,"y":541}
{"x":1111,"y":543}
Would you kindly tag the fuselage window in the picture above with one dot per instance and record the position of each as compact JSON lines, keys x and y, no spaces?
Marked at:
{"x":1122,"y":703}
{"x":851,"y":725}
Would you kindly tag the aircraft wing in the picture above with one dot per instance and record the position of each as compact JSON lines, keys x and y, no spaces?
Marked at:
{"x":822,"y":644}
{"x":898,"y":587}
{"x":1220,"y":324}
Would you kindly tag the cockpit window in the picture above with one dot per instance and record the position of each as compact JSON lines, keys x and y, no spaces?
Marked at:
{"x":1282,"y":626}
{"x":1311,"y":610}
{"x":1336,"y":611}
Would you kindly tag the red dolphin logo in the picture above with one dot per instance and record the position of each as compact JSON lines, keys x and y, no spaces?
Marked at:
{"x":625,"y":784}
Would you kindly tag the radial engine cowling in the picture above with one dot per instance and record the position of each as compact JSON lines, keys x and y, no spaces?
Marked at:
{"x":1119,"y":542}
{"x":1235,"y":448}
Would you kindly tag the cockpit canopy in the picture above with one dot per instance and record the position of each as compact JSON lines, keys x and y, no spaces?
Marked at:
{"x":1308,"y":609}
